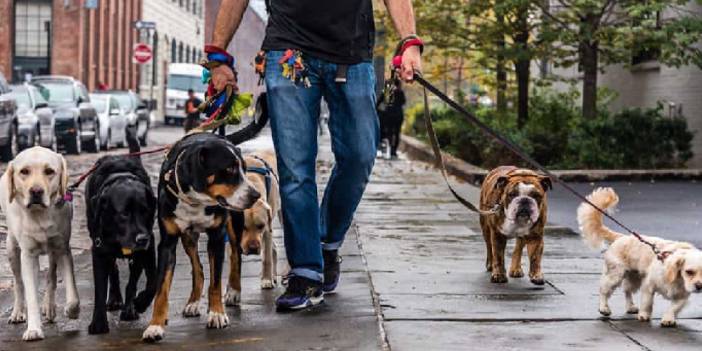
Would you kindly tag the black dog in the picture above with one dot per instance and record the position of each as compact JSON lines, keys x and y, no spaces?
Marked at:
{"x":202,"y":181}
{"x":121,"y":209}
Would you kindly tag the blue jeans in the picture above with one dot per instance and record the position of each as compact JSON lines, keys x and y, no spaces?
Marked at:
{"x":353,"y":125}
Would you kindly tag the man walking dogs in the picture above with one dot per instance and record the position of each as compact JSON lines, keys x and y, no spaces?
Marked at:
{"x":315,"y":49}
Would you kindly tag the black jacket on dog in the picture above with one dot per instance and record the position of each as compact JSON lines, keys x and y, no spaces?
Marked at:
{"x":121,"y":209}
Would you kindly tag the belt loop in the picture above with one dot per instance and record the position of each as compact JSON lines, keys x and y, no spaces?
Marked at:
{"x":341,"y":71}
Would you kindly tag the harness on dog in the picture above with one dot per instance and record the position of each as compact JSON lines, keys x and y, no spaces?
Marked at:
{"x":111,"y":179}
{"x":266,"y":171}
{"x":178,"y":191}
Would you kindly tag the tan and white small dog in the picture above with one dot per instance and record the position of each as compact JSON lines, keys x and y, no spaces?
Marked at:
{"x":634,"y":265}
{"x":255,"y":228}
{"x":38,"y":222}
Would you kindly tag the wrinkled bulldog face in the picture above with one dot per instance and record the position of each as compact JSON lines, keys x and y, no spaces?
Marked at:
{"x":522,"y":204}
{"x":37,"y":178}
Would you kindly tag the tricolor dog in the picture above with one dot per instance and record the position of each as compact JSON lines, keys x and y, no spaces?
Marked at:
{"x":633,"y":264}
{"x":517,"y":199}
{"x":202,"y":179}
{"x":32,"y":194}
{"x":253,"y":229}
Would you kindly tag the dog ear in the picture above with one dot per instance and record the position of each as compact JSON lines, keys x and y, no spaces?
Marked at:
{"x":672,"y":268}
{"x":269,"y":210}
{"x":64,"y":177}
{"x":10,"y":172}
{"x":546,"y":182}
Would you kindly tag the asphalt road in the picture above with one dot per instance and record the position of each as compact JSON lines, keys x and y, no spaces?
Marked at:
{"x":667,"y":209}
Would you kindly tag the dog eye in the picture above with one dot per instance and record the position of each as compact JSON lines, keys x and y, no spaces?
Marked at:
{"x":25,"y":171}
{"x":690,"y":272}
{"x":49,"y":172}
{"x":260,"y":226}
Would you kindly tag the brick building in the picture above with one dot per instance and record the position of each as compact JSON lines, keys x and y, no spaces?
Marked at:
{"x":68,"y":37}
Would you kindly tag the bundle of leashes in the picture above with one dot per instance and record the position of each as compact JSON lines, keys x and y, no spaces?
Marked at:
{"x":470,"y":117}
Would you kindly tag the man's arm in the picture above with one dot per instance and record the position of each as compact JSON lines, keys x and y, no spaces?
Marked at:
{"x":403,"y":18}
{"x":228,"y":19}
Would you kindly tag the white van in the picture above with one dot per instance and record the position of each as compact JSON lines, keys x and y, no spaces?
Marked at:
{"x":181,"y":77}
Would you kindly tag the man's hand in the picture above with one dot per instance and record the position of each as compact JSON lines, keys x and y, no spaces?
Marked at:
{"x":222,"y":76}
{"x":411,"y":61}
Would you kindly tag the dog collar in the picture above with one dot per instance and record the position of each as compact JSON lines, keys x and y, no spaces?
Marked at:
{"x":266,"y":171}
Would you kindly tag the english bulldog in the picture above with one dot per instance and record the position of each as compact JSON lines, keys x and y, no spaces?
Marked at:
{"x":516,"y":201}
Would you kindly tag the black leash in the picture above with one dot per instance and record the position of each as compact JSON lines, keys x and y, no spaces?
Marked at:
{"x":512,"y":147}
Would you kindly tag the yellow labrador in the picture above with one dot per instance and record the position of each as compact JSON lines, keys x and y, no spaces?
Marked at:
{"x":39,"y":222}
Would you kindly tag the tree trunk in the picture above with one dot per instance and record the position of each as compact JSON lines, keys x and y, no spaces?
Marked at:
{"x":500,"y":71}
{"x":521,"y":67}
{"x":589,"y":60}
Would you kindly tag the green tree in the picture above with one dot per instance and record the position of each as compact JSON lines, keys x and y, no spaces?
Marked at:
{"x":597,"y":33}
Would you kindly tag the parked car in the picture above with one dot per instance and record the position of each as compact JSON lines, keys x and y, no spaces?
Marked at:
{"x":112,"y":120}
{"x":8,"y":107}
{"x":74,"y":115}
{"x":138,"y":116}
{"x":35,"y":120}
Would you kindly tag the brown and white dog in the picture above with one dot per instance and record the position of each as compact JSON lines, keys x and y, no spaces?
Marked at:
{"x":38,"y":222}
{"x":634,"y":265}
{"x":254,"y":228}
{"x":518,"y":198}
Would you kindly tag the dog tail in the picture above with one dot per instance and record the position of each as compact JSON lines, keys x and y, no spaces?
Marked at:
{"x":255,"y":127}
{"x":590,"y":220}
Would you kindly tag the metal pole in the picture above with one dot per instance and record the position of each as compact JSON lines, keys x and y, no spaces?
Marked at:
{"x":154,"y":59}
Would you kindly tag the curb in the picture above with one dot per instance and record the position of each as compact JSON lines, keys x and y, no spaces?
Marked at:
{"x":418,"y":150}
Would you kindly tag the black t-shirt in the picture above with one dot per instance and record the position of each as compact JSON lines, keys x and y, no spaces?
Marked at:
{"x":195,"y":102}
{"x":339,"y":31}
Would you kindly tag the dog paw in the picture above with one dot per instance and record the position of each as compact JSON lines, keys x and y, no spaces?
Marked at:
{"x":114,"y":305}
{"x":99,"y":327}
{"x":267,"y":283}
{"x":192,"y":309}
{"x":72,"y":309}
{"x":153,"y":333}
{"x":33,"y":334}
{"x":217,"y":320}
{"x":128,"y":313}
{"x":632,"y":310}
{"x":17,"y":316}
{"x":48,"y":310}
{"x":669,"y":323}
{"x":642,"y":317}
{"x":538,"y":281}
{"x":516,"y":273}
{"x":498,"y":278}
{"x":232,"y":297}
{"x":605,"y":311}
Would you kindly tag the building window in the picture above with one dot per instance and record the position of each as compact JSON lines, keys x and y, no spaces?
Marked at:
{"x":647,"y":53}
{"x":32,"y":33}
{"x":180,"y":52}
{"x":187,"y":53}
{"x":195,"y":55}
{"x":173,"y":50}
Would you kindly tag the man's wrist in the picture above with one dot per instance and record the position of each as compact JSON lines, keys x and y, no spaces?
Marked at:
{"x":219,"y":55}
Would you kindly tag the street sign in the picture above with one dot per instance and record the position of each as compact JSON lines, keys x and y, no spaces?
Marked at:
{"x":142,"y":53}
{"x":144,"y":25}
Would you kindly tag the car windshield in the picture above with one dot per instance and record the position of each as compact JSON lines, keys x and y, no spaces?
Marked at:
{"x":21,"y":96}
{"x":183,"y":82}
{"x":125,"y":101}
{"x":99,"y":102}
{"x":57,"y":92}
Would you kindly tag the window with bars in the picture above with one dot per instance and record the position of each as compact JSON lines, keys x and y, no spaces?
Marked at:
{"x":32,"y":28}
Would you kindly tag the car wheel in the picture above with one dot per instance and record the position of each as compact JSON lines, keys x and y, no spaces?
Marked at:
{"x":93,"y":144}
{"x":73,"y":144}
{"x":7,"y":152}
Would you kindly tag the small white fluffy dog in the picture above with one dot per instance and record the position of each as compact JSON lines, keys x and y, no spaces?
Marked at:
{"x":38,"y":222}
{"x":634,"y":265}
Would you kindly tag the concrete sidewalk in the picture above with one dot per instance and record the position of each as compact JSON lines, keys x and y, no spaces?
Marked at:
{"x":413,"y":279}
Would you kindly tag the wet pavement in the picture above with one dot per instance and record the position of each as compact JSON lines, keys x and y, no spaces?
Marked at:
{"x":413,"y":279}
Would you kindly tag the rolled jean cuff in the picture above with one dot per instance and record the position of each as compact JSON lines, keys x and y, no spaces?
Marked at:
{"x":331,"y":246}
{"x":307,"y":273}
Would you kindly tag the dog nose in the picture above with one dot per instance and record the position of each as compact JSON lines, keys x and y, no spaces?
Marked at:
{"x":36,"y":191}
{"x":698,"y":286}
{"x":254,"y":248}
{"x":142,"y":239}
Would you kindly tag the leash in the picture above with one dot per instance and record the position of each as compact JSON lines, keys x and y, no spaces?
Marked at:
{"x":661,"y":255}
{"x":413,"y":40}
